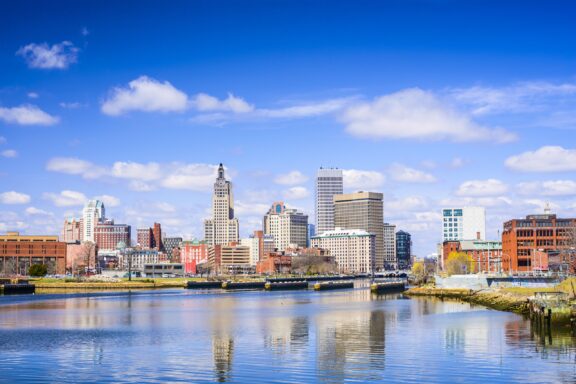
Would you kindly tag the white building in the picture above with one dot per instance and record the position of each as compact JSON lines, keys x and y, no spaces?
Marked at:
{"x":390,"y":245}
{"x":222,"y":228}
{"x":329,"y":182}
{"x":92,"y":214}
{"x":353,"y":249}
{"x":464,"y":223}
{"x":71,"y":231}
{"x":287,"y":226}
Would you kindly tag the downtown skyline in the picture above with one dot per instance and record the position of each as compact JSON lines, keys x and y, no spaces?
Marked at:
{"x":470,"y":113}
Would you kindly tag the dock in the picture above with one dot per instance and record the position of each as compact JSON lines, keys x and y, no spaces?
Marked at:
{"x":329,"y":285}
{"x":286,"y":285}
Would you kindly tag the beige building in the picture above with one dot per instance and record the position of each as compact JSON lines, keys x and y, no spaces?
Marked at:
{"x":222,"y":228}
{"x":71,"y":231}
{"x":287,"y":226}
{"x":363,"y":210}
{"x":390,"y":245}
{"x":353,"y":249}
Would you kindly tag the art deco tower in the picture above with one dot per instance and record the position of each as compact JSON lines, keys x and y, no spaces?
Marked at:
{"x":222,"y":228}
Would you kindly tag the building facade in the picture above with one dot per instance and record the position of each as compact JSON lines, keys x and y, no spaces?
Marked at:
{"x":353,"y":249}
{"x":92,"y":214}
{"x":403,"y":249}
{"x":108,"y":235}
{"x":287,"y":226}
{"x":486,"y":255}
{"x":170,"y":244}
{"x":222,"y":228}
{"x":71,"y":231}
{"x":19,"y":252}
{"x":145,"y":238}
{"x":138,"y":258}
{"x":363,"y":210}
{"x":192,"y":254}
{"x":157,"y":235}
{"x":464,"y":223}
{"x":329,"y":182}
{"x":390,"y":258}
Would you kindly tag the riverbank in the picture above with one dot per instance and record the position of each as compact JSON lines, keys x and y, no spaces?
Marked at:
{"x":54,"y":284}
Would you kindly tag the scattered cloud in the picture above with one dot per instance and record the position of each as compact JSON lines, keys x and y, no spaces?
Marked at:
{"x":147,"y":95}
{"x":362,"y":180}
{"x":291,"y":178}
{"x":74,"y":166}
{"x":27,"y":114}
{"x":33,"y":95}
{"x":406,"y":174}
{"x":204,"y":102}
{"x":296,"y":193}
{"x":400,"y":206}
{"x":10,"y":153}
{"x":481,"y":188}
{"x":109,"y":201}
{"x":33,"y":211}
{"x":70,"y":105}
{"x":309,"y":109}
{"x":13,"y":197}
{"x":548,"y":188}
{"x":84,"y":31}
{"x":43,"y":56}
{"x":416,"y":114}
{"x":544,"y":159}
{"x":66,"y":198}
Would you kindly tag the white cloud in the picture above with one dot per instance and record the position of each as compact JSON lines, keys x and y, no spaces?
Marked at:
{"x":548,"y":188}
{"x":406,"y":174}
{"x":140,"y":186}
{"x":9,"y":153}
{"x":27,"y":114}
{"x":147,"y":95}
{"x":306,"y":110}
{"x":33,"y":211}
{"x":250,"y":209}
{"x":13,"y":197}
{"x":291,"y":178}
{"x":195,"y":177}
{"x":544,"y":159}
{"x":43,"y":56}
{"x":405,"y":204}
{"x":296,"y":193}
{"x":70,"y":105}
{"x":132,"y":170}
{"x":32,"y":95}
{"x":204,"y":102}
{"x":457,"y":162}
{"x":109,"y":201}
{"x":416,"y":114}
{"x":492,"y":202}
{"x":74,"y":166}
{"x":359,"y":179}
{"x":481,"y":188}
{"x":66,"y":198}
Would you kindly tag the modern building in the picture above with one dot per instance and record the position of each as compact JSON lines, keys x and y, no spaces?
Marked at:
{"x":192,"y":254}
{"x":19,"y":252}
{"x":145,"y":238}
{"x":528,"y":243}
{"x":353,"y":249}
{"x":287,"y":226}
{"x":363,"y":210}
{"x":170,"y":244}
{"x":390,"y":245}
{"x":403,"y":249}
{"x":92,"y":214}
{"x":71,"y":231}
{"x":222,"y":228}
{"x":311,"y":233}
{"x":164,"y":270}
{"x":487,"y":255}
{"x":329,"y":182}
{"x":261,"y":246}
{"x":232,"y":258}
{"x":464,"y":223}
{"x":108,"y":235}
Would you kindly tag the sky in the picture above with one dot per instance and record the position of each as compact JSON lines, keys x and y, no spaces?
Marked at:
{"x":434,"y":103}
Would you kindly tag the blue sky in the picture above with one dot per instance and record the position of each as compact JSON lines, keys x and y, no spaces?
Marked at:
{"x":432,"y":102}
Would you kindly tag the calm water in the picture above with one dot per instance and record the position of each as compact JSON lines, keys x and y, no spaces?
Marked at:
{"x":247,"y":337}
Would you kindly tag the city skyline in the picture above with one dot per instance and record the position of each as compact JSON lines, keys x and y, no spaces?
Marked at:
{"x":140,"y":119}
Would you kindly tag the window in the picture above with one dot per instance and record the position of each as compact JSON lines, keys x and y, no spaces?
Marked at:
{"x":457,"y":212}
{"x":447,"y":212}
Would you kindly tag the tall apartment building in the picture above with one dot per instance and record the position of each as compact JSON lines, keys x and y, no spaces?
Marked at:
{"x":390,"y":245}
{"x":108,"y":235}
{"x":260,"y":246}
{"x":71,"y":231}
{"x":170,"y":244}
{"x":353,"y":249}
{"x":157,"y":234}
{"x":19,"y":252}
{"x":464,"y":223}
{"x":287,"y":226}
{"x":145,"y":238}
{"x":403,"y":249}
{"x":92,"y":214}
{"x":363,"y":210}
{"x":329,"y":182}
{"x":222,"y":228}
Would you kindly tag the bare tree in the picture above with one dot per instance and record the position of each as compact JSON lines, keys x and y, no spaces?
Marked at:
{"x":88,"y":254}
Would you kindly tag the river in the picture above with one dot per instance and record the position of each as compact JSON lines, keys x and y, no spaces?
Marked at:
{"x":271,"y":337}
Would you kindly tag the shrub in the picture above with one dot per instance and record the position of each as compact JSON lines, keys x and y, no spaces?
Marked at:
{"x":38,"y":270}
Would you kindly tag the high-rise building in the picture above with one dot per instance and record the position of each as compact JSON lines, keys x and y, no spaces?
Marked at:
{"x":311,"y":233}
{"x":260,"y":246}
{"x":157,"y":234}
{"x":403,"y":249}
{"x":353,"y":249}
{"x":390,"y":245}
{"x":71,"y":231}
{"x":363,"y":210}
{"x":145,"y":238}
{"x":92,"y":214}
{"x":329,"y":182}
{"x":287,"y":226}
{"x":464,"y":223}
{"x":108,"y":235}
{"x":222,"y":228}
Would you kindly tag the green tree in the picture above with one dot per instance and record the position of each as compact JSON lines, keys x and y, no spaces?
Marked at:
{"x":459,"y":263}
{"x":38,"y":270}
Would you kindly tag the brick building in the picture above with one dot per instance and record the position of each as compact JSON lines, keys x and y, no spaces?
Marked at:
{"x":19,"y":252}
{"x":107,"y":235}
{"x":192,"y":254}
{"x":144,"y":238}
{"x":487,"y":255}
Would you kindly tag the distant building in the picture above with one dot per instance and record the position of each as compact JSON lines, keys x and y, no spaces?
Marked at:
{"x":487,"y":255}
{"x":329,"y":182}
{"x":287,"y":226}
{"x":464,"y":223}
{"x":353,"y":249}
{"x":223,"y":227}
{"x":235,"y":258}
{"x":108,"y":235}
{"x":260,"y":246}
{"x":390,"y":257}
{"x":157,"y":234}
{"x":171,"y":243}
{"x":71,"y":231}
{"x":145,"y":238}
{"x":92,"y":214}
{"x":403,"y":249}
{"x":311,"y":233}
{"x":192,"y":254}
{"x":139,"y":258}
{"x":19,"y":252}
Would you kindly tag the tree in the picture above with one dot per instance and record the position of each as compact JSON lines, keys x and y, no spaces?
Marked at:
{"x":88,"y":253}
{"x":38,"y":270}
{"x":459,"y":263}
{"x":419,"y":271}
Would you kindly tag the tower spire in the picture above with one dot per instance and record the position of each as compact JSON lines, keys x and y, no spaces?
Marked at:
{"x":221,"y":171}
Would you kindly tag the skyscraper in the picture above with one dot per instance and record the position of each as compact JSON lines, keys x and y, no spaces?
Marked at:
{"x":222,"y":228}
{"x":71,"y":231}
{"x":363,"y":210}
{"x":403,"y":249}
{"x":92,"y":214}
{"x":329,"y":182}
{"x":464,"y":223}
{"x":288,"y":226}
{"x":390,"y":245}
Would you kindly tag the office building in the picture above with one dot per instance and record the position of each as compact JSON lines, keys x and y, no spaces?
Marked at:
{"x":145,"y":238}
{"x":486,"y":255}
{"x":403,"y":249}
{"x":192,"y":254}
{"x":260,"y":246}
{"x":222,"y":228}
{"x":353,"y":249}
{"x":329,"y":182}
{"x":108,"y":235}
{"x":71,"y":231}
{"x":92,"y":214}
{"x":157,"y":235}
{"x":464,"y":223}
{"x":19,"y":252}
{"x":170,"y":244}
{"x":287,"y":226}
{"x":311,"y":233}
{"x":390,"y":245}
{"x":363,"y":210}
